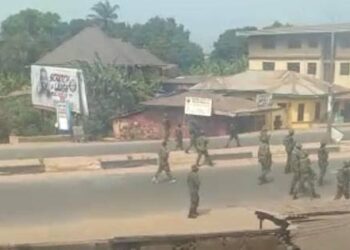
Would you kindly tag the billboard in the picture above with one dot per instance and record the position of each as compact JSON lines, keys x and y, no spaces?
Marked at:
{"x":51,"y":85}
{"x":198,"y":106}
{"x":264,"y":100}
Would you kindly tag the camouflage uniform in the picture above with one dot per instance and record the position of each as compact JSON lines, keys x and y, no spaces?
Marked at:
{"x":307,"y":176}
{"x":265,"y":160}
{"x":295,"y":162}
{"x":163,"y":164}
{"x":193,"y":183}
{"x":179,"y":138}
{"x":289,"y":144}
{"x":343,"y":180}
{"x":233,"y":132}
{"x":322,"y":162}
{"x":202,"y":150}
{"x":194,"y":133}
{"x":264,"y":135}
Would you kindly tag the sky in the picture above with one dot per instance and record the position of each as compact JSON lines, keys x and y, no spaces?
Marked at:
{"x":205,"y":19}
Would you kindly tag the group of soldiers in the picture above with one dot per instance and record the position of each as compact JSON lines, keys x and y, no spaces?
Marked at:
{"x":299,"y":165}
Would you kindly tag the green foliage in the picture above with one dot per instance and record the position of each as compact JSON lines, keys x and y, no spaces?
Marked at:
{"x":230,"y":46}
{"x":112,"y":91}
{"x":277,"y":24}
{"x":167,"y":40}
{"x":12,"y":82}
{"x":18,"y":114}
{"x":220,"y":68}
{"x":104,"y":13}
{"x":27,"y":36}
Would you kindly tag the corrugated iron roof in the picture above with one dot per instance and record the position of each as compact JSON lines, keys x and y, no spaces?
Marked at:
{"x":93,"y":41}
{"x":276,"y":82}
{"x":222,"y":105}
{"x":321,"y":28}
{"x":186,"y":80}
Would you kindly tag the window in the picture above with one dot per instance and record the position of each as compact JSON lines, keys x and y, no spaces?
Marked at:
{"x":313,"y":43}
{"x":301,"y":109}
{"x":294,"y":67}
{"x":294,"y":44}
{"x":345,"y":69}
{"x":317,"y":111}
{"x":311,"y":68}
{"x":268,"y":66}
{"x":282,"y":105}
{"x":268,"y":43}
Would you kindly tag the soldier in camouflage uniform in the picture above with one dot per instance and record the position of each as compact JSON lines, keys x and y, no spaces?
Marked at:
{"x":289,"y":144}
{"x":163,"y":164}
{"x":307,"y":176}
{"x":265,"y":160}
{"x":202,"y":150}
{"x":194,"y":133}
{"x":322,"y":161}
{"x":179,"y":137}
{"x":343,"y":181}
{"x":295,"y":161}
{"x":193,"y":183}
{"x":264,"y":135}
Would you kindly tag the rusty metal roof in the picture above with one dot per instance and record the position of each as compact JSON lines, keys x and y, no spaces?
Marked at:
{"x":306,"y":29}
{"x":222,"y":105}
{"x":186,"y":79}
{"x":285,"y":83}
{"x":92,"y":41}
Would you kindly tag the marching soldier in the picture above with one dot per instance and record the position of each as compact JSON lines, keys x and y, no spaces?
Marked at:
{"x":265,"y":160}
{"x":179,"y":137}
{"x":233,"y":132}
{"x":307,"y":176}
{"x":343,"y":180}
{"x":202,"y":150}
{"x":264,"y":135}
{"x":289,"y":144}
{"x":322,"y":161}
{"x":295,"y":161}
{"x":194,"y":133}
{"x":193,"y":183}
{"x":166,"y":127}
{"x":163,"y":164}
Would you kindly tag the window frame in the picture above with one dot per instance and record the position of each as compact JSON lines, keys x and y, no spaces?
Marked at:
{"x":273,"y":64}
{"x":344,"y":71}
{"x":292,"y":42}
{"x":317,"y":111}
{"x":312,"y":71}
{"x":295,"y":63}
{"x":268,"y":43}
{"x":313,"y":43}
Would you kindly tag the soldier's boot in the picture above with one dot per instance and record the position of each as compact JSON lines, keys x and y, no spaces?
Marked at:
{"x":295,"y":196}
{"x":315,"y":195}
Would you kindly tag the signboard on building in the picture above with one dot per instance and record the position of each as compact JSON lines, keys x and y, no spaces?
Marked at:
{"x":337,"y":135}
{"x":264,"y":100}
{"x":51,"y":85}
{"x":63,"y":116}
{"x":198,"y":106}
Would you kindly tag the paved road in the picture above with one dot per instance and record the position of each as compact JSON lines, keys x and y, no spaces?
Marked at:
{"x":36,"y":200}
{"x":24,"y":151}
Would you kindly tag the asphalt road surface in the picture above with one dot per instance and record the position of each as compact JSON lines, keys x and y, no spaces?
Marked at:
{"x":25,"y":151}
{"x":35,"y":200}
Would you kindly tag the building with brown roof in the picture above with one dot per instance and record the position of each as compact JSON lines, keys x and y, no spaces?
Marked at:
{"x":92,"y":41}
{"x":303,"y":98}
{"x":147,"y":124}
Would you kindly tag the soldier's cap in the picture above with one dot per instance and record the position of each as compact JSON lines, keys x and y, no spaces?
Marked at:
{"x":298,"y":145}
{"x":291,"y":131}
{"x":324,"y":142}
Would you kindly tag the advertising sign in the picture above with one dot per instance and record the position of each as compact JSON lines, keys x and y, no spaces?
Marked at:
{"x":51,"y":85}
{"x":264,"y":100}
{"x":63,"y":116}
{"x":198,"y":106}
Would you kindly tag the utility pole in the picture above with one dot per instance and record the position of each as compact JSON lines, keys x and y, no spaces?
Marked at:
{"x":330,"y":88}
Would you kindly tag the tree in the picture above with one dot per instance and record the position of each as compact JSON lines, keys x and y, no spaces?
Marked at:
{"x":277,"y":24}
{"x":111,"y":91}
{"x":230,"y":46}
{"x":220,"y":68}
{"x":104,"y":13}
{"x":168,"y":40}
{"x":27,"y":36}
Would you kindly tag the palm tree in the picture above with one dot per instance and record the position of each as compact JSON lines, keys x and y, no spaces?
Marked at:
{"x":104,"y":13}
